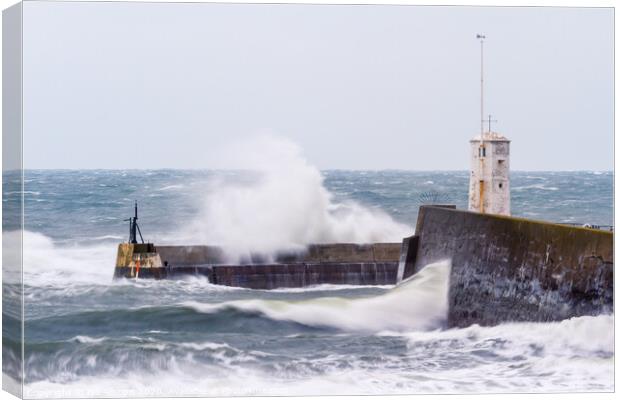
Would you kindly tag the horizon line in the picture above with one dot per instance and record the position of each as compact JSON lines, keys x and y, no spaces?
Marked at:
{"x":320,"y":169}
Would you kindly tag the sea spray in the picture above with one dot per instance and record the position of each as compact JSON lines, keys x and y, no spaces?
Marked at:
{"x":45,"y":263}
{"x":284,"y":206}
{"x":418,"y":303}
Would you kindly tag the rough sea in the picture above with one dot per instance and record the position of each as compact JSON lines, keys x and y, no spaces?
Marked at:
{"x":89,"y":336}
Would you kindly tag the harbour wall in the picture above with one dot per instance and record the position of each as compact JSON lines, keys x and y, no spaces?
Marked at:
{"x":503,"y":268}
{"x":339,"y":263}
{"x":314,"y":253}
{"x":513,"y":269}
{"x":273,"y":276}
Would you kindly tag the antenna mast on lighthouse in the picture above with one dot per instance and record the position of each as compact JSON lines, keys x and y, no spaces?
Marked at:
{"x":481,"y":37}
{"x":489,"y":182}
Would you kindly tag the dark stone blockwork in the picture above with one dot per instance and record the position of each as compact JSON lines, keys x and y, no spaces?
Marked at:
{"x":513,"y":269}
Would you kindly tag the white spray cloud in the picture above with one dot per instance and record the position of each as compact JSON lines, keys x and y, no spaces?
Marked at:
{"x":285,"y":208}
{"x":44,"y":263}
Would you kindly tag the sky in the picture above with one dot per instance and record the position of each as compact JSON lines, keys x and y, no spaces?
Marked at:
{"x":156,"y":85}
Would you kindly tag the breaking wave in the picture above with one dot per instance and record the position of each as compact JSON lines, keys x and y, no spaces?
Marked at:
{"x":571,"y":355}
{"x":285,"y":206}
{"x":535,"y":187}
{"x":419,"y":303}
{"x":45,"y":263}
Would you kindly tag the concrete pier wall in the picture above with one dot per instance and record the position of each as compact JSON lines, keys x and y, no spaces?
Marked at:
{"x":503,"y":268}
{"x":191,"y":255}
{"x":315,"y":253}
{"x":339,"y":263}
{"x":272,"y":276}
{"x":512,"y":269}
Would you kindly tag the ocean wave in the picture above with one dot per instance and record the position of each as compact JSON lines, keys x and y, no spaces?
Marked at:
{"x":102,"y":237}
{"x":46,"y":264}
{"x":87,"y":339}
{"x":536,"y":187}
{"x":585,"y":335}
{"x":326,"y":287}
{"x":170,"y":187}
{"x":419,"y":303}
{"x":25,"y":192}
{"x":515,"y":357}
{"x":206,"y":346}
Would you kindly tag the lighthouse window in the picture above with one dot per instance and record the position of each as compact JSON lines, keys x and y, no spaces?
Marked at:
{"x":482,"y":152}
{"x":501,"y":185}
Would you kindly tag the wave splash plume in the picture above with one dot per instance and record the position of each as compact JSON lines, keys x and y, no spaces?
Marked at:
{"x":284,"y":206}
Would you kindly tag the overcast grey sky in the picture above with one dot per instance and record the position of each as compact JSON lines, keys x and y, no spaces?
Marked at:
{"x":154,"y":85}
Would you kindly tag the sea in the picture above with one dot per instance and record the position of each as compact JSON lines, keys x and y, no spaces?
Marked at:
{"x":87,"y":335}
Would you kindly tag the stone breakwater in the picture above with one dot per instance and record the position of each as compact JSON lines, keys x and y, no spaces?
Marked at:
{"x":503,"y":268}
{"x":338,"y":264}
{"x":514,"y":269}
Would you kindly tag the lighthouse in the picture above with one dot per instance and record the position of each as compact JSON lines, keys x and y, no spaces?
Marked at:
{"x":489,"y":180}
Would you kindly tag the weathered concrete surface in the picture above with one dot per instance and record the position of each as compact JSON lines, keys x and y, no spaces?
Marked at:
{"x":408,"y":253}
{"x":336,"y":252}
{"x":191,"y":255}
{"x":339,"y":263}
{"x":130,"y":254}
{"x":489,"y":180}
{"x":344,"y":253}
{"x":145,"y":273}
{"x":272,"y":276}
{"x":512,"y":269}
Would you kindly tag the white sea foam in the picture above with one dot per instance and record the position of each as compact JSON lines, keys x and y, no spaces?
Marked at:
{"x":87,"y":339}
{"x":44,"y":263}
{"x":25,"y":192}
{"x":419,"y":303}
{"x":108,"y":237}
{"x":535,"y":186}
{"x":571,"y":355}
{"x":170,"y":187}
{"x":206,"y":346}
{"x":579,"y":335}
{"x":285,"y":208}
{"x":325,"y":287}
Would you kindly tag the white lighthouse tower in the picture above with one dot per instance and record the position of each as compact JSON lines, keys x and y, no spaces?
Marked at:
{"x":489,"y":180}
